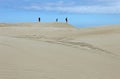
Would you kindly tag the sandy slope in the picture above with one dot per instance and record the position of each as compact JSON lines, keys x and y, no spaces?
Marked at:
{"x":59,"y":51}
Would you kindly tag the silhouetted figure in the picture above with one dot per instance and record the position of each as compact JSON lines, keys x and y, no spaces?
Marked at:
{"x":39,"y":19}
{"x":56,"y":19}
{"x":66,"y":19}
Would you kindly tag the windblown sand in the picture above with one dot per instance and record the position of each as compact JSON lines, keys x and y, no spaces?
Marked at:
{"x":59,"y":51}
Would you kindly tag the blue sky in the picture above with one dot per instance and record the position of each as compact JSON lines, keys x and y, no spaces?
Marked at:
{"x":79,"y":12}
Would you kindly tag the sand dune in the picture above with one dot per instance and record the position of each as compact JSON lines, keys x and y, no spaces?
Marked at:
{"x":59,"y":51}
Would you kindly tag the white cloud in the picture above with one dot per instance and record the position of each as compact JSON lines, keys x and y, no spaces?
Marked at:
{"x":73,"y":7}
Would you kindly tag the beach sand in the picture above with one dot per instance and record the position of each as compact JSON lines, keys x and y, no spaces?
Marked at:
{"x":59,"y":51}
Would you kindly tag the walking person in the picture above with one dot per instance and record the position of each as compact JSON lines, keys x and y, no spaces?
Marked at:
{"x":56,"y":19}
{"x":66,"y":19}
{"x":39,"y":19}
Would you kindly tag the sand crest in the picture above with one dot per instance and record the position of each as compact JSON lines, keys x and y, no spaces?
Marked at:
{"x":59,"y":51}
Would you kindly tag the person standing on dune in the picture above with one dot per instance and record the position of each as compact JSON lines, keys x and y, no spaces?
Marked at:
{"x":66,"y":19}
{"x":39,"y":19}
{"x":56,"y":19}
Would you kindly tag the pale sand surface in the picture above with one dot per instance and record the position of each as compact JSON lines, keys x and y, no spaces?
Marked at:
{"x":59,"y":51}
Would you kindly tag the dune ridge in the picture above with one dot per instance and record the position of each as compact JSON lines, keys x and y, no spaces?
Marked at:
{"x":59,"y":51}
